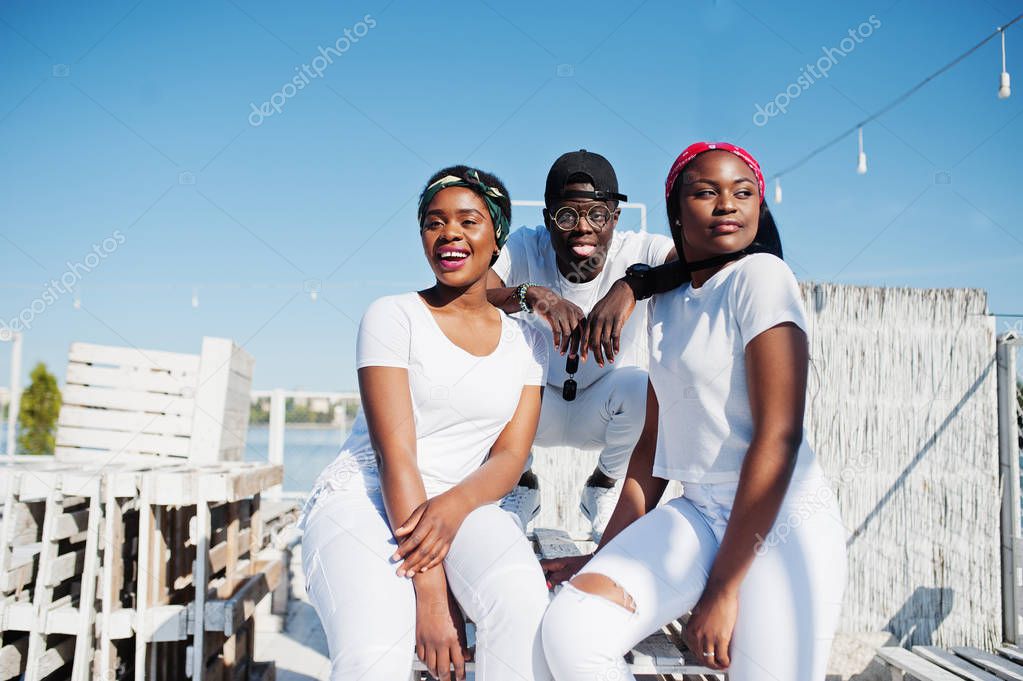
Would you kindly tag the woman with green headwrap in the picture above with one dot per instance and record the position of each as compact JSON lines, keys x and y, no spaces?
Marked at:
{"x":402,"y":532}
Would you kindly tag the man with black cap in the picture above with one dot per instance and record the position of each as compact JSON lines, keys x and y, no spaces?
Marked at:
{"x":560,"y":276}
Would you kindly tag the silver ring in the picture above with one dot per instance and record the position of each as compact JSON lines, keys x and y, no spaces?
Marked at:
{"x":708,"y":654}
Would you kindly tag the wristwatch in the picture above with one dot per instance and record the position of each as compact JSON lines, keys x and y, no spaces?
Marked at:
{"x":638,"y":278}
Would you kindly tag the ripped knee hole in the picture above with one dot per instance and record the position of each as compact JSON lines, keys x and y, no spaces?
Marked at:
{"x":605,"y":587}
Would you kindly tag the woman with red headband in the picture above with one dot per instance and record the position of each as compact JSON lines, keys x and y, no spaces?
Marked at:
{"x":753,"y":552}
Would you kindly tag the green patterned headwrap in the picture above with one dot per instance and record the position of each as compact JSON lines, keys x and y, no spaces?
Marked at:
{"x":472,"y":181}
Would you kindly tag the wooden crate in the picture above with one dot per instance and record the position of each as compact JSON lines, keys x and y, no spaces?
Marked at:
{"x":101,"y":579}
{"x":125,"y":404}
{"x":50,"y":542}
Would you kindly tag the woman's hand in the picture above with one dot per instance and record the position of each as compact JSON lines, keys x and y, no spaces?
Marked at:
{"x":567,"y":320}
{"x":606,"y":321}
{"x":710,"y":627}
{"x":440,"y":633}
{"x":425,"y":537}
{"x":558,"y":570}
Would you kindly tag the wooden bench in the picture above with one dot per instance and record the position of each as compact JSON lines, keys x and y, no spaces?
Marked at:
{"x":932,"y":663}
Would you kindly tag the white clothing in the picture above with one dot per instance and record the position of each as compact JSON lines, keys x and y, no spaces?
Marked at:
{"x":460,"y":402}
{"x":369,"y":613}
{"x":608,"y":416}
{"x":698,"y":338}
{"x":789,"y":601}
{"x":528,"y":257}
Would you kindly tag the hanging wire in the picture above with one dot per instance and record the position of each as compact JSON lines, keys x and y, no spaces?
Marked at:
{"x":895,"y":102}
{"x":1004,"y":89}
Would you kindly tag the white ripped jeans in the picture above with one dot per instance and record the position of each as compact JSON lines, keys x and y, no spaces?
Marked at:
{"x":606,"y":415}
{"x":369,"y":613}
{"x":789,"y":601}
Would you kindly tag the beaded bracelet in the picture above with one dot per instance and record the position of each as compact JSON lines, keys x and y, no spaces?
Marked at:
{"x":521,"y":293}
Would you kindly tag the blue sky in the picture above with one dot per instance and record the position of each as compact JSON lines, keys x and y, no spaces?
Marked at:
{"x":130,"y":122}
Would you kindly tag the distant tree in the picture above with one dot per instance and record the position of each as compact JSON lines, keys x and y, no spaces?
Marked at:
{"x":258,"y":412}
{"x":40,"y":407}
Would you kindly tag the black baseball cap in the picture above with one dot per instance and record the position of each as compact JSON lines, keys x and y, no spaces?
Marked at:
{"x":594,"y":166}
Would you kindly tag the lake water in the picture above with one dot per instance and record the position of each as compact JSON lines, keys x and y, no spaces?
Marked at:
{"x":307,"y":450}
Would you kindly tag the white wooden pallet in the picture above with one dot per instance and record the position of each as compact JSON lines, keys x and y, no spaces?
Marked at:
{"x":123,"y":403}
{"x":88,"y":505}
{"x":932,"y":663}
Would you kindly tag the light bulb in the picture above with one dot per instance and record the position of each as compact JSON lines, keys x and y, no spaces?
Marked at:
{"x":777,"y":191}
{"x":861,"y":166}
{"x":195,"y":298}
{"x":1003,"y":89}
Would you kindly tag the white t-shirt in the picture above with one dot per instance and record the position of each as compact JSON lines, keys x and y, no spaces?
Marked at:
{"x":698,"y":343}
{"x":528,"y":256}
{"x":460,"y":402}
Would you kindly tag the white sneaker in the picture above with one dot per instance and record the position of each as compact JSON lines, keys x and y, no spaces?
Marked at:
{"x":522,"y":502}
{"x":597,"y":504}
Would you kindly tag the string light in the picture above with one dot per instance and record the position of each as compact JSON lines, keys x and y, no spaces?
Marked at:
{"x":806,"y":158}
{"x":777,"y":190}
{"x":195,"y":298}
{"x":861,"y":165}
{"x":77,"y":303}
{"x":1003,"y":86}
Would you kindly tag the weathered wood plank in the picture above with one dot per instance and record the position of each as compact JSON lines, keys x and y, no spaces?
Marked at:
{"x":953,"y":663}
{"x":657,"y":655}
{"x":153,"y":360}
{"x":12,"y":659}
{"x":999,"y":666}
{"x":127,"y":400}
{"x":229,"y":614}
{"x":131,"y":378}
{"x":55,"y":658}
{"x":127,"y":421}
{"x":122,"y":441}
{"x":555,"y":543}
{"x":905,"y":661}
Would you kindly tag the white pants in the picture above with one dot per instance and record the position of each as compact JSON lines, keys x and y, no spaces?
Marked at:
{"x":369,"y":613}
{"x":789,"y":601}
{"x":606,"y":415}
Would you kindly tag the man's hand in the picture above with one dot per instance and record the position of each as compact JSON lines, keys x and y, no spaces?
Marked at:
{"x":567,"y":320}
{"x":606,"y":321}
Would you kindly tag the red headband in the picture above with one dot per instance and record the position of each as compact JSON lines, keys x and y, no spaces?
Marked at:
{"x":694,"y":150}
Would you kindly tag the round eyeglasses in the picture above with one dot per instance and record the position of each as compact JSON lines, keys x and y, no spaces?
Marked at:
{"x":567,"y":217}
